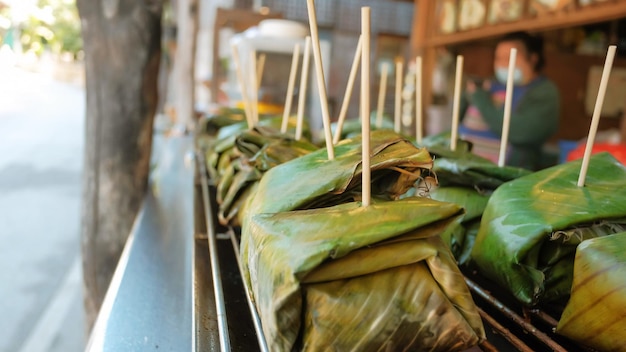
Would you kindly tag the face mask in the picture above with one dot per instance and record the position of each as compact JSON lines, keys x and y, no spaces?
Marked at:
{"x":503,"y":72}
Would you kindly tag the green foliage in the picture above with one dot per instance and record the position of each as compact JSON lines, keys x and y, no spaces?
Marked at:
{"x":54,"y":26}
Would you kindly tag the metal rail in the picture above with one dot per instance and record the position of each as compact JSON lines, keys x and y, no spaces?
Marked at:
{"x":509,"y":313}
{"x":506,"y":333}
{"x":256,"y":320}
{"x":220,"y":306}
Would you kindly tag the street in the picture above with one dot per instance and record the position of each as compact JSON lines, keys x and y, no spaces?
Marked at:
{"x":41,"y":157}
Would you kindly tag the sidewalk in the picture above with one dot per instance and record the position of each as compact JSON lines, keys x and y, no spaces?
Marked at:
{"x":41,"y":156}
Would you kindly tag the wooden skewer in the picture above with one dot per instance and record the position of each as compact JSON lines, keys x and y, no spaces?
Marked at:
{"x":398,"y":97}
{"x":595,"y":120}
{"x":292,"y":82}
{"x":365,"y":107}
{"x":506,"y":123}
{"x":348,"y":93}
{"x":255,"y":90}
{"x":304,"y":82}
{"x":457,"y":102}
{"x":242,"y":85}
{"x":419,"y":126}
{"x":321,"y":82}
{"x":259,"y":70}
{"x":382,"y":90}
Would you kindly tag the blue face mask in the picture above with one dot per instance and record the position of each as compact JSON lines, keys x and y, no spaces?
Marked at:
{"x":503,"y":72}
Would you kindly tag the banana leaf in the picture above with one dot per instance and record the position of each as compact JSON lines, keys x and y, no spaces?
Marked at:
{"x":349,"y":277}
{"x":273,"y":122}
{"x":259,"y":153}
{"x":442,"y":141}
{"x":313,"y":181}
{"x":594,"y":315}
{"x":225,"y":116}
{"x":532,"y":225}
{"x":468,"y":180}
{"x":460,"y":239}
{"x":462,"y":168}
{"x":218,"y":155}
{"x":219,"y":151}
{"x":235,"y":119}
{"x":352,"y":127}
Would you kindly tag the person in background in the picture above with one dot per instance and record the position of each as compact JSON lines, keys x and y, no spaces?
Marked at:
{"x":535,"y":105}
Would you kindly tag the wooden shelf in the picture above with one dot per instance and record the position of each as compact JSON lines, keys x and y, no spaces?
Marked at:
{"x":600,"y":12}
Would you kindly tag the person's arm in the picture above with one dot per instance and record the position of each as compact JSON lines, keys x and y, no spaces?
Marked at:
{"x":534,"y":120}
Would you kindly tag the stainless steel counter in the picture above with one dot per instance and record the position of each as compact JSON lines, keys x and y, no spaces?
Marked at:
{"x":149,"y":304}
{"x":162,"y":296}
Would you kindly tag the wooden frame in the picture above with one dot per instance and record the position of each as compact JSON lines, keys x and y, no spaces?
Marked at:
{"x":426,"y":39}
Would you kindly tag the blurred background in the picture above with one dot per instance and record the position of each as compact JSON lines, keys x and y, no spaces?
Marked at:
{"x":42,"y":103}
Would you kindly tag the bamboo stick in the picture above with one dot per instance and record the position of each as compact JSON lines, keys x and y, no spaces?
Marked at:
{"x":419,"y":124}
{"x":506,"y":123}
{"x":242,"y":85}
{"x":321,"y":82}
{"x":291,"y":83}
{"x":595,"y":120}
{"x":260,"y":67}
{"x":365,"y":107}
{"x":304,"y":83}
{"x":382,"y":90}
{"x":348,"y":93}
{"x":398,"y":96}
{"x":457,"y":102}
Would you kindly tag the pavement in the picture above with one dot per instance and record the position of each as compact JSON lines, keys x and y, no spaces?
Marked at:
{"x":41,"y":157}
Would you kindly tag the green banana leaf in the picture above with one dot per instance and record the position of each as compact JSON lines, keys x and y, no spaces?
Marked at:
{"x":218,"y":149}
{"x":234,"y":119}
{"x":261,"y":150}
{"x":352,"y":127}
{"x":279,"y":152}
{"x":474,"y":203}
{"x":594,"y":315}
{"x":532,"y":225}
{"x":218,"y":155}
{"x":273,"y":122}
{"x":349,"y":277}
{"x":441,"y":141}
{"x":461,"y":168}
{"x":313,"y":181}
{"x":225,"y":116}
{"x":468,"y":180}
{"x":250,"y":142}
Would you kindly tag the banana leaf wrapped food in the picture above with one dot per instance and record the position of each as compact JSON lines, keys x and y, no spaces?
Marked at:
{"x":349,"y":277}
{"x":596,"y":312}
{"x":462,"y":168}
{"x":460,"y":239}
{"x":259,"y":150}
{"x":220,"y":149}
{"x":224,"y":116}
{"x":313,"y":181}
{"x":328,"y":274}
{"x":468,"y":180}
{"x":352,"y":127}
{"x":532,"y":225}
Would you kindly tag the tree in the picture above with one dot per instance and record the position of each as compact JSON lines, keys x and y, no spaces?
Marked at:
{"x":122,"y":53}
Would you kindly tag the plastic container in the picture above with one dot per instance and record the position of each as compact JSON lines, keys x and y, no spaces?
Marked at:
{"x":617,"y":150}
